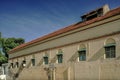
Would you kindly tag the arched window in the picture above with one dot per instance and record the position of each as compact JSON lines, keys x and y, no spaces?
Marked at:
{"x":11,"y":65}
{"x":60,"y":56}
{"x":110,"y":48}
{"x":82,"y":53}
{"x":24,"y":62}
{"x":17,"y":64}
{"x":45,"y":57}
{"x":33,"y":60}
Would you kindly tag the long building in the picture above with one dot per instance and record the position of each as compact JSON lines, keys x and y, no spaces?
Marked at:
{"x":86,"y":50}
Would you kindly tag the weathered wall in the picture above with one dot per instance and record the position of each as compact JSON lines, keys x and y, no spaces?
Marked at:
{"x":77,"y":36}
{"x":96,"y":67}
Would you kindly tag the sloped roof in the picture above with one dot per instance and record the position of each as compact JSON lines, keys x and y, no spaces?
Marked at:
{"x":67,"y":29}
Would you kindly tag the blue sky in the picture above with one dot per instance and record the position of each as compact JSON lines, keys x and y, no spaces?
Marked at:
{"x":31,"y":19}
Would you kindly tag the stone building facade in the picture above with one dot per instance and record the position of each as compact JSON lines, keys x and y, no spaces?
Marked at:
{"x":87,"y":50}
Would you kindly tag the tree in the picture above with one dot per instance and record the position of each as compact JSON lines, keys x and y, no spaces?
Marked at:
{"x":11,"y":43}
{"x":6,"y":44}
{"x":3,"y":59}
{"x":1,"y":46}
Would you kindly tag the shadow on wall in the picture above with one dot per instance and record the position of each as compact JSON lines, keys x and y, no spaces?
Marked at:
{"x":97,"y":55}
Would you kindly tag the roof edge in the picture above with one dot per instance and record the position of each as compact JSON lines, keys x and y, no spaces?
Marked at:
{"x":67,"y":29}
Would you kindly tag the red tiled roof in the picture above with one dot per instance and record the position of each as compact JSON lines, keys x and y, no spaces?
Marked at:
{"x":69,"y":28}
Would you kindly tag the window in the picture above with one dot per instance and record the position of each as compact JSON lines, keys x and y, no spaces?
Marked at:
{"x":82,"y":55}
{"x":82,"y":52}
{"x":24,"y":63}
{"x":11,"y":65}
{"x":17,"y":64}
{"x":45,"y":59}
{"x":33,"y":62}
{"x":110,"y":48}
{"x":110,"y":51}
{"x":60,"y":58}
